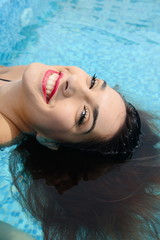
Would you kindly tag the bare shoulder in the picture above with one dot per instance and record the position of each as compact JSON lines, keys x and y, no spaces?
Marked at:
{"x":8,"y":131}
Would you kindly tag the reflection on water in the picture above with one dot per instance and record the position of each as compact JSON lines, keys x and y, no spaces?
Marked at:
{"x":76,"y":193}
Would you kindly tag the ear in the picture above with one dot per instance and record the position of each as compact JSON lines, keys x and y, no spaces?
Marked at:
{"x":52,"y":144}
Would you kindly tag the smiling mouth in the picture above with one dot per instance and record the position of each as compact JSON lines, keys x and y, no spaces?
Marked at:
{"x":50,"y":83}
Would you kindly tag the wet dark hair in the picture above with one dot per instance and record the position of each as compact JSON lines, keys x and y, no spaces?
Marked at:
{"x":84,"y":195}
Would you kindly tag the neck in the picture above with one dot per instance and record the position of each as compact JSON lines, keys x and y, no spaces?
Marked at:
{"x":11,"y":105}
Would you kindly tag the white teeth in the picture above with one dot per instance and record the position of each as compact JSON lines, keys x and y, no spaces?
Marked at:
{"x":51,"y":83}
{"x":48,"y":92}
{"x":53,"y":76}
{"x":49,"y":87}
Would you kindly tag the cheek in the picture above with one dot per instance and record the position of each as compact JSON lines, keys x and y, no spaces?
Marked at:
{"x":63,"y":118}
{"x":58,"y":122}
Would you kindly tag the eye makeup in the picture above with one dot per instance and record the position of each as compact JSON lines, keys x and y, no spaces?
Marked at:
{"x":93,"y":81}
{"x":82,"y":117}
{"x":85,"y":110}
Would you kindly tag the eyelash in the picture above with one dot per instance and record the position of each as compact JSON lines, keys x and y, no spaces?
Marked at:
{"x":83,"y":116}
{"x":93,"y":81}
{"x":85,"y":110}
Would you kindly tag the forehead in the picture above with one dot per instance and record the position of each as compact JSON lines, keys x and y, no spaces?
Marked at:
{"x":112,"y":113}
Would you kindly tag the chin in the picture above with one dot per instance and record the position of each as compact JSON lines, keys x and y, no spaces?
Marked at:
{"x":32,"y":84}
{"x":32,"y":76}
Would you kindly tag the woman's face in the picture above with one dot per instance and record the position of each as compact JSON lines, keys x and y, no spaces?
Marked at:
{"x":64,"y":103}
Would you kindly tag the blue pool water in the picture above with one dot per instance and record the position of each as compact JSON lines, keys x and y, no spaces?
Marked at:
{"x":119,"y":40}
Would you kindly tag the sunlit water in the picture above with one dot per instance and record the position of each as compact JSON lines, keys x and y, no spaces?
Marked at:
{"x":119,"y":40}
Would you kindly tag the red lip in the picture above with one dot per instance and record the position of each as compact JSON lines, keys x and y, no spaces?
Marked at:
{"x":44,"y":82}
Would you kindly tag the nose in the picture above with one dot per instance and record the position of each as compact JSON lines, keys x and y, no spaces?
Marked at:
{"x":74,"y":86}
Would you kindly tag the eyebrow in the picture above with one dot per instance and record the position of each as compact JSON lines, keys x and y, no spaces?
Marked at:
{"x":95,"y":112}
